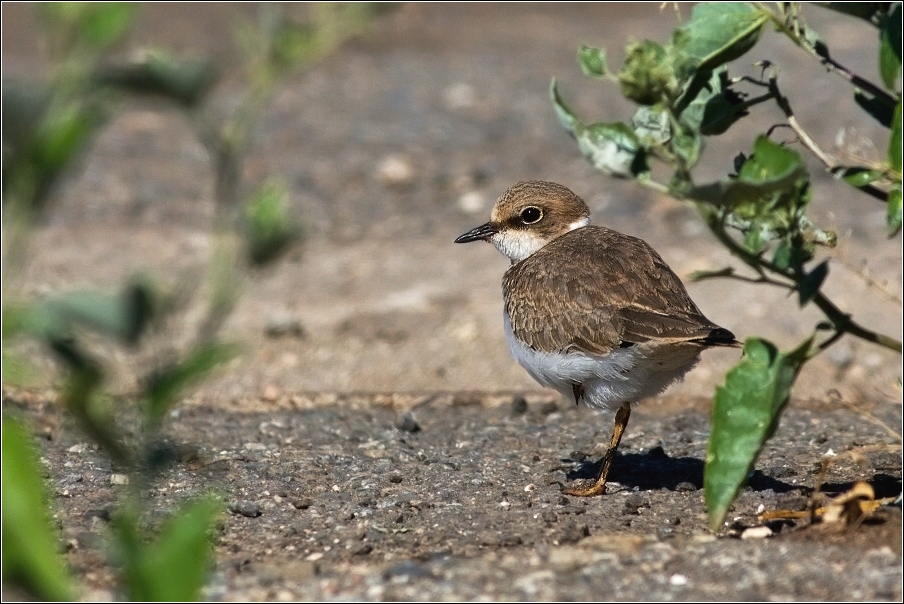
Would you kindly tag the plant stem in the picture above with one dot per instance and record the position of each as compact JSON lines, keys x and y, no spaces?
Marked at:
{"x":831,"y":64}
{"x":841,"y":321}
{"x":808,"y":142}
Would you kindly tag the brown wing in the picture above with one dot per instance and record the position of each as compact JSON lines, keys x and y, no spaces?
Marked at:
{"x":614,"y":291}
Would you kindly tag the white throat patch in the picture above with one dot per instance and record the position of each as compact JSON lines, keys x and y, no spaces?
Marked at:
{"x":517,"y":245}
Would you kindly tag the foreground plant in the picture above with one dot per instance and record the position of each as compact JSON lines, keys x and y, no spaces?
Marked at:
{"x":758,"y":211}
{"x":46,"y":131}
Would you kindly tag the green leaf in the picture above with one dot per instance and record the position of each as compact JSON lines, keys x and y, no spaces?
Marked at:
{"x":767,"y":200}
{"x":124,"y":315}
{"x":105,"y":23}
{"x":893,"y":214}
{"x":648,"y":75}
{"x":165,"y":386}
{"x":612,"y":148}
{"x":857,"y":176}
{"x":895,"y":142}
{"x":881,"y":111}
{"x":687,"y":145}
{"x":80,"y":395}
{"x":63,"y":134}
{"x":709,"y":105}
{"x":890,"y":47}
{"x":746,"y":412}
{"x":96,"y":24}
{"x":184,"y":81}
{"x":811,"y":282}
{"x":30,"y":549}
{"x":593,"y":61}
{"x":269,"y":226}
{"x":719,"y":32}
{"x":783,"y":258}
{"x":771,"y":168}
{"x":44,"y":131}
{"x":292,"y":43}
{"x":175,"y":566}
{"x":793,"y":252}
{"x":651,"y":125}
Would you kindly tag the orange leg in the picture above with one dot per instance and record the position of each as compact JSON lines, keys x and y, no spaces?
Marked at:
{"x":599,"y":487}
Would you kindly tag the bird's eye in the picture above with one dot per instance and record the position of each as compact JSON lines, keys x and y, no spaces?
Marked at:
{"x":531,"y":214}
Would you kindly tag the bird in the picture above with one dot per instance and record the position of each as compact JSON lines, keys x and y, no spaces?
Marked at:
{"x":590,"y":312}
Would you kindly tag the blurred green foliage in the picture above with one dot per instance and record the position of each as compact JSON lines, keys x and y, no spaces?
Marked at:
{"x":758,"y":211}
{"x":30,"y":551}
{"x":47,"y":128}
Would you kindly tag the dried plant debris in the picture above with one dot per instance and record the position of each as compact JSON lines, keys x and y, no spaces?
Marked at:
{"x":846,"y":510}
{"x":850,"y":508}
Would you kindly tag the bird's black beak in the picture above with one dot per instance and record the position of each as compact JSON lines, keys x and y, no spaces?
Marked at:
{"x":484,"y":231}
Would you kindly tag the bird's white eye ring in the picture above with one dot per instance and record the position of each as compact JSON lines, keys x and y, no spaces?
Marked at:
{"x":531,"y":214}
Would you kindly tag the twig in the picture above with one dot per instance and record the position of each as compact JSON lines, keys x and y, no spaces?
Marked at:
{"x":841,"y":321}
{"x":812,"y":145}
{"x":828,"y":62}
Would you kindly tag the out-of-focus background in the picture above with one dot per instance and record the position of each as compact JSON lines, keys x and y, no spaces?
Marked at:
{"x":402,"y":140}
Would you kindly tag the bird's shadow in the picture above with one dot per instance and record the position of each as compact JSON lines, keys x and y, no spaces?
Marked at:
{"x":654,"y":470}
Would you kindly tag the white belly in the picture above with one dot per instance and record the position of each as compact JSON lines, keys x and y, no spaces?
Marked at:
{"x":624,"y":375}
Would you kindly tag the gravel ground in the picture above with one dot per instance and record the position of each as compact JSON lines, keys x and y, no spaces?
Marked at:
{"x":451,"y":496}
{"x":390,"y":149}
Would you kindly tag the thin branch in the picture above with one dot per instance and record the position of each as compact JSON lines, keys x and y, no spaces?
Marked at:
{"x":841,"y":321}
{"x":812,"y":145}
{"x":828,"y":62}
{"x":760,"y":279}
{"x":829,"y":341}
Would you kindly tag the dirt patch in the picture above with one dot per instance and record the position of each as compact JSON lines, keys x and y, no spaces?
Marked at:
{"x":459,"y":497}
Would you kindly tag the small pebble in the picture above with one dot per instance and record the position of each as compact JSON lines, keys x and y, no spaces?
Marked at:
{"x":571,"y":532}
{"x":665,"y":532}
{"x":519,"y":405}
{"x":249,"y":509}
{"x":757,"y":532}
{"x":396,"y":171}
{"x":407,"y":423}
{"x":280,"y":325}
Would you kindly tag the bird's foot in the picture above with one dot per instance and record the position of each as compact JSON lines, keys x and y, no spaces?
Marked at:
{"x":598,"y":488}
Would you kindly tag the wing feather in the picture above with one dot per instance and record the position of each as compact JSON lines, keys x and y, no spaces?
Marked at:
{"x":616,"y":290}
